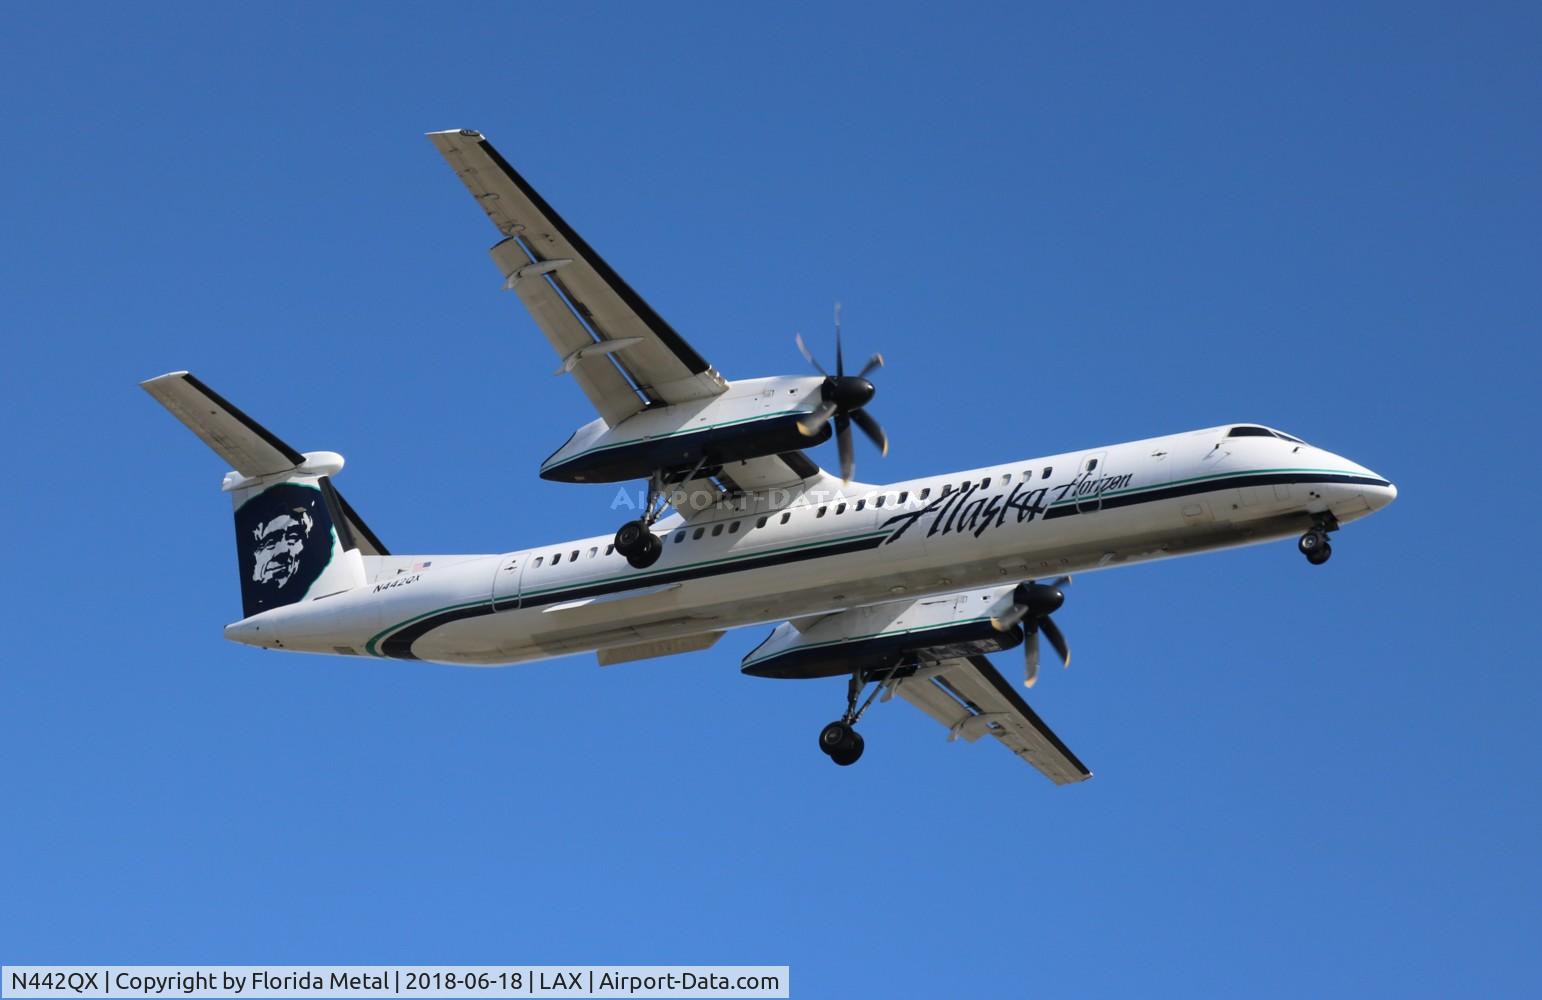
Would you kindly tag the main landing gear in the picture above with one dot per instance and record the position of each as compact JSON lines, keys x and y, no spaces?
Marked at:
{"x":1314,"y":544}
{"x":635,"y":539}
{"x":840,"y":740}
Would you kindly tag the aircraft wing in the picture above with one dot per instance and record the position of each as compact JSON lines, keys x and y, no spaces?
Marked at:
{"x":972,"y":699}
{"x":621,"y":352}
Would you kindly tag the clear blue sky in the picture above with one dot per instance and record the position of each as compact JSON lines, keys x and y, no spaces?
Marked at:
{"x":1062,"y":226}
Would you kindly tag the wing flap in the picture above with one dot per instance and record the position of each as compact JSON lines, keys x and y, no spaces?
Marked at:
{"x":607,"y":389}
{"x":972,"y":699}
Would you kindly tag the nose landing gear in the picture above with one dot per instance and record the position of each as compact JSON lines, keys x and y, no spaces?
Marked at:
{"x":1314,"y":544}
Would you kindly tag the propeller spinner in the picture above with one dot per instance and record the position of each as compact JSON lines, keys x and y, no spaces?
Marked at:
{"x":842,"y":398}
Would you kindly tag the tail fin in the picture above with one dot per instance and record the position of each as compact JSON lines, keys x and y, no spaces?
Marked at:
{"x":296,"y":537}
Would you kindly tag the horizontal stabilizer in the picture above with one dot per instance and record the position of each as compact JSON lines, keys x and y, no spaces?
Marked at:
{"x":296,"y":534}
{"x":250,"y":448}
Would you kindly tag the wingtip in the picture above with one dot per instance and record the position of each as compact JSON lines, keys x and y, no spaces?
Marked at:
{"x":147,"y":383}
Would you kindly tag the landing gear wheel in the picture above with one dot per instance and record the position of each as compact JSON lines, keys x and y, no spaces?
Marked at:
{"x":1314,"y":545}
{"x":833,"y":736}
{"x":651,"y":550}
{"x":849,"y":752}
{"x":640,"y":546}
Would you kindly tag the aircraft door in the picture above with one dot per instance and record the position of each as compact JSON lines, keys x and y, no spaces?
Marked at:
{"x":1089,"y":499}
{"x":506,"y":581}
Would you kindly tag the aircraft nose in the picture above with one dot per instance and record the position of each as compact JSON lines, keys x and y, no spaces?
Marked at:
{"x":1380,"y":496}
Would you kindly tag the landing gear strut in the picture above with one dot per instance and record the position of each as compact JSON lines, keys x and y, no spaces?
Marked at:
{"x":1314,"y":544}
{"x":635,"y":539}
{"x":840,"y":740}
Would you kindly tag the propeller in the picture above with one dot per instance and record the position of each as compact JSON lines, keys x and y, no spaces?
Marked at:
{"x":842,"y":398}
{"x":1032,"y":605}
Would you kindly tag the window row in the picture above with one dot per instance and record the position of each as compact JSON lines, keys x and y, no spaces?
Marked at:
{"x":732,"y":527}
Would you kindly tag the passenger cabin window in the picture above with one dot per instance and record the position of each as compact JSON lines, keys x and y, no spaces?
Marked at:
{"x":733,"y":527}
{"x":698,"y":532}
{"x":1047,"y":470}
{"x":1246,"y":431}
{"x":574,"y":556}
{"x":786,"y":516}
{"x":556,"y":559}
{"x":760,"y":522}
{"x":610,"y":548}
{"x":985,"y":482}
{"x":821,"y":512}
{"x":538,"y":561}
{"x":717,"y":529}
{"x":1092,"y":464}
{"x":926,"y":491}
{"x":679,"y":537}
{"x":840,"y":508}
{"x":594,"y":550}
{"x":862,"y":503}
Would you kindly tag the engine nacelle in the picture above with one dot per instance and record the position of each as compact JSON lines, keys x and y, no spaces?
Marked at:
{"x":878,"y":637}
{"x":753,"y":419}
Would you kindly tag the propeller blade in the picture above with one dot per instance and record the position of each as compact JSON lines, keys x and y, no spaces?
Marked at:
{"x":1057,"y":639}
{"x":873,"y":364}
{"x":870,"y":427}
{"x":808,"y":356}
{"x":1014,"y":614}
{"x":840,"y":365}
{"x":1060,"y":581}
{"x":1031,"y":657}
{"x":815,"y":422}
{"x":843,"y":442}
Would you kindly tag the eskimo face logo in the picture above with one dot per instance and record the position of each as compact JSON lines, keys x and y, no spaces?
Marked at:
{"x":280,"y":544}
{"x":284,"y":538}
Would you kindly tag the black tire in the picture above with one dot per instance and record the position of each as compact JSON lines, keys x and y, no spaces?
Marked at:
{"x":849,"y":752}
{"x":833,"y":737}
{"x":649,"y":554}
{"x":631,"y":537}
{"x":1311,"y":542}
{"x":1318,"y":556}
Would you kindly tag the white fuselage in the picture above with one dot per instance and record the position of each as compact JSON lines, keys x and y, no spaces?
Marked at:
{"x":824,"y":552}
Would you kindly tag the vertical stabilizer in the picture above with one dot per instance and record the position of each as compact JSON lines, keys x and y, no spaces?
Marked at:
{"x":296,"y":537}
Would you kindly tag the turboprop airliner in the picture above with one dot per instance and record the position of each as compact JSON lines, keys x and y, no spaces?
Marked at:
{"x":904,"y":589}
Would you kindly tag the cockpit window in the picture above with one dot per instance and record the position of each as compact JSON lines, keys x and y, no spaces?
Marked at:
{"x":1250,"y":430}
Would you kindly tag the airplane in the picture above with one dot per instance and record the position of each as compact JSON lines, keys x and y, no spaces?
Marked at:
{"x":904,"y":589}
